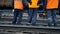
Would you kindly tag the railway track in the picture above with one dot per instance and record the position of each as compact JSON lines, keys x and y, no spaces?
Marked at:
{"x":24,"y":29}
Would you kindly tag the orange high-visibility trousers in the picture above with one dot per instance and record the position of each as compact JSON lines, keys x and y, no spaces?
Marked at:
{"x":18,"y":4}
{"x":52,"y":4}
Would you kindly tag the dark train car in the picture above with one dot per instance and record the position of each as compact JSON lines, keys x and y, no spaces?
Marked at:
{"x":6,"y":4}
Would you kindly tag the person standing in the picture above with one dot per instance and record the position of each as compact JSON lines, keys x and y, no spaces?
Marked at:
{"x":18,"y":11}
{"x":33,"y":6}
{"x":51,"y":7}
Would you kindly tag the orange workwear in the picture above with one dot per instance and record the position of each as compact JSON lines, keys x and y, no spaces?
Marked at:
{"x":33,"y":4}
{"x":18,"y":4}
{"x":52,"y":4}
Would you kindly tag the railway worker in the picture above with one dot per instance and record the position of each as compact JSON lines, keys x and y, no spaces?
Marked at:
{"x":51,"y":6}
{"x":18,"y":11}
{"x":33,"y":6}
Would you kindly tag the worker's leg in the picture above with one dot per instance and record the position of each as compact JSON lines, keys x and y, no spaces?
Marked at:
{"x":49,"y":17}
{"x":34,"y":16}
{"x":20,"y":17}
{"x":15,"y":16}
{"x":54,"y":17}
{"x":30,"y":12}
